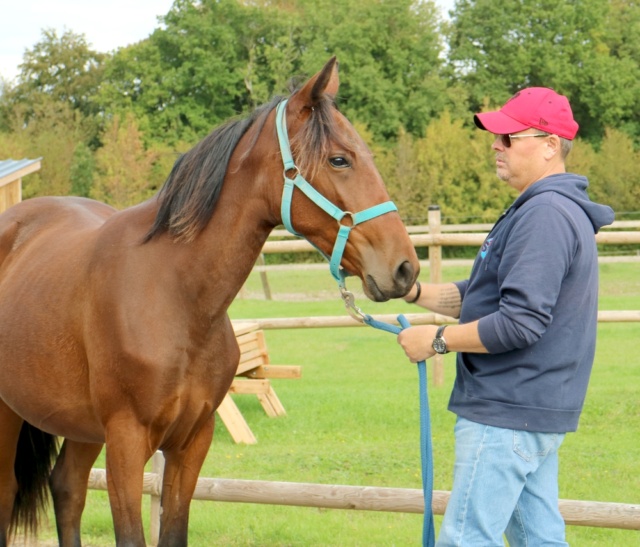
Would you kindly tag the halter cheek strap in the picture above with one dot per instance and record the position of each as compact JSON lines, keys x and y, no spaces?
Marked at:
{"x":298,"y":181}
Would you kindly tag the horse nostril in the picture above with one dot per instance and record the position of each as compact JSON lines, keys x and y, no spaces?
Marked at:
{"x":405,"y":274}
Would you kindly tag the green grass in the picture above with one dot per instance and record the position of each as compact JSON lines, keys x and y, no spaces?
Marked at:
{"x":353,"y":419}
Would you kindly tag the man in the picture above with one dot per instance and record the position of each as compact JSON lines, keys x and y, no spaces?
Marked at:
{"x":526,"y":337}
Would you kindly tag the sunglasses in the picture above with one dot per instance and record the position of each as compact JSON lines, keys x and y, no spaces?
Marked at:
{"x":506,"y":139}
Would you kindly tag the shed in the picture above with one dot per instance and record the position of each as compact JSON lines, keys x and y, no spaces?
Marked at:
{"x":11,"y":173}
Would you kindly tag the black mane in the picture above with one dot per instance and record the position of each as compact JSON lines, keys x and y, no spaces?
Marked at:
{"x":190,"y":193}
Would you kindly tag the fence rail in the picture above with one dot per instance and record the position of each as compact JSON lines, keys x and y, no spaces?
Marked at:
{"x":446,"y":240}
{"x":368,"y":498}
{"x":478,"y":227}
{"x":317,"y":266}
{"x":330,"y":321}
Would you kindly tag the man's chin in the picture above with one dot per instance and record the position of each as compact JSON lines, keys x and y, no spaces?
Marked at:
{"x":502,"y":174}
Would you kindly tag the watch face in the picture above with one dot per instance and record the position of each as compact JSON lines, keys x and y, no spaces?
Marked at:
{"x":439,"y":345}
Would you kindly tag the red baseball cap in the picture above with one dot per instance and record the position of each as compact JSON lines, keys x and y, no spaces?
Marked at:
{"x":538,"y":107}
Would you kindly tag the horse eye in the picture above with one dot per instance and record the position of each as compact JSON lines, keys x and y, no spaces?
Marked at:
{"x":339,"y":162}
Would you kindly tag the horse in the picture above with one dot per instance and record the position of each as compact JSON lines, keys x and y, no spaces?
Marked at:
{"x":114,"y":329}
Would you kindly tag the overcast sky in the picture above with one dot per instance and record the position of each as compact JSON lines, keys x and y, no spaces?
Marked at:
{"x":105,"y":25}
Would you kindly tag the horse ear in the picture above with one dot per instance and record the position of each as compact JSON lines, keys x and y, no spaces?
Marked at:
{"x":325,"y":82}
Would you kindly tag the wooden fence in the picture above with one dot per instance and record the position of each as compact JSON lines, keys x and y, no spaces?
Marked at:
{"x":433,"y":239}
{"x":330,"y":321}
{"x":361,"y":498}
{"x":435,"y":236}
{"x":476,"y":227}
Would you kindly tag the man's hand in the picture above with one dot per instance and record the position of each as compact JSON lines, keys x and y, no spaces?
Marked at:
{"x":416,"y":342}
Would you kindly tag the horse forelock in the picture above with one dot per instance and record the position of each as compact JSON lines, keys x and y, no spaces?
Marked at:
{"x":311,"y":146}
{"x":190,"y":193}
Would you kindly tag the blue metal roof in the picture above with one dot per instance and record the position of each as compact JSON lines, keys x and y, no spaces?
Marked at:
{"x":11,"y":166}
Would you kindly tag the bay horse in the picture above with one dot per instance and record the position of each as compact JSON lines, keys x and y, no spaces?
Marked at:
{"x":113,"y":324}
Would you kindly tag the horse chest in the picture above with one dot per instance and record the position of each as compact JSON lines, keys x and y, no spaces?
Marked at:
{"x":177,"y":395}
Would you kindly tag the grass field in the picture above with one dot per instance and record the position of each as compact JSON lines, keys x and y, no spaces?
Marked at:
{"x":353,"y":419}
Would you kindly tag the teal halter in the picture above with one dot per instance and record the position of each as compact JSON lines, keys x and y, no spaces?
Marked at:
{"x":298,"y":181}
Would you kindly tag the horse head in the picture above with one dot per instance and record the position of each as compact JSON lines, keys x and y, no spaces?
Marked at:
{"x":332,"y":189}
{"x":344,"y":208}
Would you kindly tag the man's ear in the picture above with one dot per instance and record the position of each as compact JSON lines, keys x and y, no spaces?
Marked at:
{"x":553,"y":147}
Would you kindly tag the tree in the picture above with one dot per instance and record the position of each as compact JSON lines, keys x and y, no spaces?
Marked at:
{"x":135,"y":83}
{"x":82,"y":170}
{"x":612,"y":170}
{"x":124,"y":166}
{"x":497,"y":48}
{"x":390,"y":57}
{"x":61,"y":69}
{"x":211,"y":62}
{"x":53,"y":133}
{"x":451,"y":166}
{"x":216,"y":59}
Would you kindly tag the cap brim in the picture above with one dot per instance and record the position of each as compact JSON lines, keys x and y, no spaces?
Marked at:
{"x":498,"y":123}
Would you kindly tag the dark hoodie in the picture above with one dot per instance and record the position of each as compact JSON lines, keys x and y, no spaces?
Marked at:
{"x":534,"y":288}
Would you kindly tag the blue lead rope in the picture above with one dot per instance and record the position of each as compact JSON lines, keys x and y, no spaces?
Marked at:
{"x":426,"y":452}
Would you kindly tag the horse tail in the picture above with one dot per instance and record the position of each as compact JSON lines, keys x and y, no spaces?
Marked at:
{"x":35,"y":456}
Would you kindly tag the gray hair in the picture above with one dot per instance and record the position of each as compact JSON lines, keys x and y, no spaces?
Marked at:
{"x":567,"y":145}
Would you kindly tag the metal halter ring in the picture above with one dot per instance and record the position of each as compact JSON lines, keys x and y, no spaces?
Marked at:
{"x":351,"y":216}
{"x":296,"y":172}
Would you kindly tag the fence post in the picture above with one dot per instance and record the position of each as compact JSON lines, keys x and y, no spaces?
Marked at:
{"x":263,"y":278}
{"x":435,"y":276}
{"x":157,"y":466}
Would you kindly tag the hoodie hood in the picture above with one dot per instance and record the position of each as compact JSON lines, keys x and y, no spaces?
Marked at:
{"x":573,"y":187}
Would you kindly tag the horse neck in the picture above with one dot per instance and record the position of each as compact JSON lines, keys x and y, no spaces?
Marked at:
{"x":215,"y":264}
{"x":235,"y":235}
{"x":224,"y":253}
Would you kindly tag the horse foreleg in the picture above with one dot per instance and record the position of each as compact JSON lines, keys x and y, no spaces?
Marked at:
{"x":181,"y":471}
{"x":68,"y":484}
{"x":10,"y":425}
{"x":127,"y":452}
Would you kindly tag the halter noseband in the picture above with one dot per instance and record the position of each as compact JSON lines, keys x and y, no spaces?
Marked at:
{"x":298,"y":181}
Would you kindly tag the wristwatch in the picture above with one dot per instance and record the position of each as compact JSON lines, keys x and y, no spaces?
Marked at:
{"x":439,"y":343}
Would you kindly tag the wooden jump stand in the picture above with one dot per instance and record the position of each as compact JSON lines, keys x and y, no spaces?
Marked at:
{"x":253,"y":377}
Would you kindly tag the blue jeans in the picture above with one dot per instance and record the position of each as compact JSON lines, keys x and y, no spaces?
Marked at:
{"x":504,"y":482}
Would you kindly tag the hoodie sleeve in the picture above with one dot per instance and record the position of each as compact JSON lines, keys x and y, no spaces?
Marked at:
{"x":536,"y":259}
{"x":462,"y":287}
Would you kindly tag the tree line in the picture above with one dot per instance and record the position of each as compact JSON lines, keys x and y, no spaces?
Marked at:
{"x":110,"y":125}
